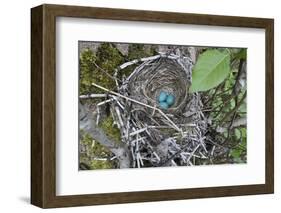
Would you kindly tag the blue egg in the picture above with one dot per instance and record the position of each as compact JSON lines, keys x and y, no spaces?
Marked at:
{"x":162,"y":96}
{"x":163,"y":105}
{"x":170,"y":100}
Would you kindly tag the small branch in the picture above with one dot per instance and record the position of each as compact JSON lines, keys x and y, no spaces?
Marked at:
{"x":93,"y":96}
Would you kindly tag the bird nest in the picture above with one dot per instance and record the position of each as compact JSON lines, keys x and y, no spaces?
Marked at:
{"x":156,"y":136}
{"x":158,"y":76}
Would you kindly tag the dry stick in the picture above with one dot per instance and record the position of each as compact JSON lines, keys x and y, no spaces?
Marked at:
{"x":150,"y":58}
{"x":98,"y":116}
{"x":116,"y":121}
{"x":138,"y":131}
{"x":137,"y":150}
{"x":174,"y":155}
{"x":145,"y":62}
{"x":132,"y":152}
{"x":98,"y":109}
{"x":174,"y":163}
{"x":197,"y":130}
{"x":128,"y":127}
{"x":168,"y":127}
{"x":123,"y":66}
{"x":119,"y":117}
{"x":192,"y":153}
{"x":93,"y":96}
{"x":140,"y":103}
{"x":105,"y":102}
{"x":101,"y":159}
{"x":149,"y":145}
{"x":136,"y":140}
{"x":119,"y":104}
{"x":138,"y":156}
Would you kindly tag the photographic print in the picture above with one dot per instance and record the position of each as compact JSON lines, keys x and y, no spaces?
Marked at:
{"x":150,"y":105}
{"x":115,"y":95}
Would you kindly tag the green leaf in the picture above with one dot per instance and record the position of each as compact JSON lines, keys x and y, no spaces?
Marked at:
{"x":244,"y":132}
{"x":243,"y":107}
{"x":237,"y":133}
{"x":210,"y":70}
{"x":242,"y":54}
{"x":235,"y":153}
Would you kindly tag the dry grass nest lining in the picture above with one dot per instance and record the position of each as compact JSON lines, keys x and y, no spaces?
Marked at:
{"x":162,"y":75}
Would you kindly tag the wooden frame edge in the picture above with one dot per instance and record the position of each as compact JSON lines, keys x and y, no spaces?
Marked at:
{"x":36,"y":106}
{"x":269,"y":105}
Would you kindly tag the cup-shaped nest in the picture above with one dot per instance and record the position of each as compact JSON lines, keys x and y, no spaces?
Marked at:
{"x":165,"y":75}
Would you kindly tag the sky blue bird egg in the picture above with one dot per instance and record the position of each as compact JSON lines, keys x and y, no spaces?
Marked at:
{"x":162,"y":96}
{"x":170,"y":100}
{"x":163,"y":105}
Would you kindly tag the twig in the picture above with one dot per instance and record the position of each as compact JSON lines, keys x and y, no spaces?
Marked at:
{"x":93,"y":96}
{"x":192,"y":153}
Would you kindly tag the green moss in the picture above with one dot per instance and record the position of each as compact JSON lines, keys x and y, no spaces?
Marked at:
{"x":107,"y":58}
{"x":87,"y":57}
{"x":95,"y":150}
{"x":110,"y":130}
{"x":140,"y":51}
{"x":98,"y":164}
{"x":86,"y":139}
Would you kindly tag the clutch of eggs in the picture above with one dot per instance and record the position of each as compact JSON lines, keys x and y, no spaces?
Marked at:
{"x":166,"y":100}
